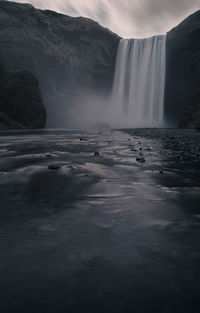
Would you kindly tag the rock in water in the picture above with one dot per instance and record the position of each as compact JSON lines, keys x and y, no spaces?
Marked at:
{"x":141,"y":159}
{"x":83,"y":139}
{"x":54,"y":167}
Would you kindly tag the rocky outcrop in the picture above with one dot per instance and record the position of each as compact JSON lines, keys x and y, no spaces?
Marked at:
{"x":21,"y":104}
{"x":71,"y":57}
{"x":182,"y":100}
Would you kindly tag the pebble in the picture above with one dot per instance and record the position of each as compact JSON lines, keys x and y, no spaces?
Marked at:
{"x":83,"y":139}
{"x":140,"y":159}
{"x":54,"y":167}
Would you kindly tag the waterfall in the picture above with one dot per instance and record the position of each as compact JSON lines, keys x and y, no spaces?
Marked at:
{"x":139,"y":83}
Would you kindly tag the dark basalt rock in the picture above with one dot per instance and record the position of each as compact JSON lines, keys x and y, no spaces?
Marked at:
{"x":21,"y":104}
{"x":191,"y":116}
{"x":71,"y":57}
{"x":83,"y":139}
{"x":54,"y":167}
{"x":182,"y":94}
{"x":141,"y":159}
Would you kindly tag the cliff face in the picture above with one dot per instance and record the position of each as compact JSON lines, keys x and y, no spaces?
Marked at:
{"x":21,"y":103}
{"x":74,"y":58}
{"x":191,"y":113}
{"x":70,"y":56}
{"x":182,"y":100}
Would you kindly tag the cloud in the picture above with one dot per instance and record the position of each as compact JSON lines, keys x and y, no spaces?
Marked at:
{"x":128,"y":18}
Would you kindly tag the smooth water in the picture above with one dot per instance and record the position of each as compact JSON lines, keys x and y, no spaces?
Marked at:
{"x":103,"y":233}
{"x":139,"y":83}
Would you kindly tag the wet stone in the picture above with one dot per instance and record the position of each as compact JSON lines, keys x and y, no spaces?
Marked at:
{"x":54,"y":167}
{"x":141,"y":159}
{"x":71,"y":168}
{"x":133,"y":149}
{"x":83,"y":139}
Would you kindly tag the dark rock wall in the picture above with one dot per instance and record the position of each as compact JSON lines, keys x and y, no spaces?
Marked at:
{"x":182,"y":82}
{"x":70,"y":56}
{"x":191,"y":113}
{"x":21,"y":104}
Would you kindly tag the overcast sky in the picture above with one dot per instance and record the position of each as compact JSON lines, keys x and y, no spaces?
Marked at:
{"x":128,"y":18}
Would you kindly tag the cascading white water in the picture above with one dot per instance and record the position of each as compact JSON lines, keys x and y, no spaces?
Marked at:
{"x":139,"y":83}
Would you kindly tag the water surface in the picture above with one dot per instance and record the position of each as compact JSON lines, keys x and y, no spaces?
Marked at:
{"x":113,"y":231}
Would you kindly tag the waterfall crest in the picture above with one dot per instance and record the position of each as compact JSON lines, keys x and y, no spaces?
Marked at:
{"x":139,"y":83}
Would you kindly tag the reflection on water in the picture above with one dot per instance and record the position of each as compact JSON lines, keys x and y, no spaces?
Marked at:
{"x":102,"y":233}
